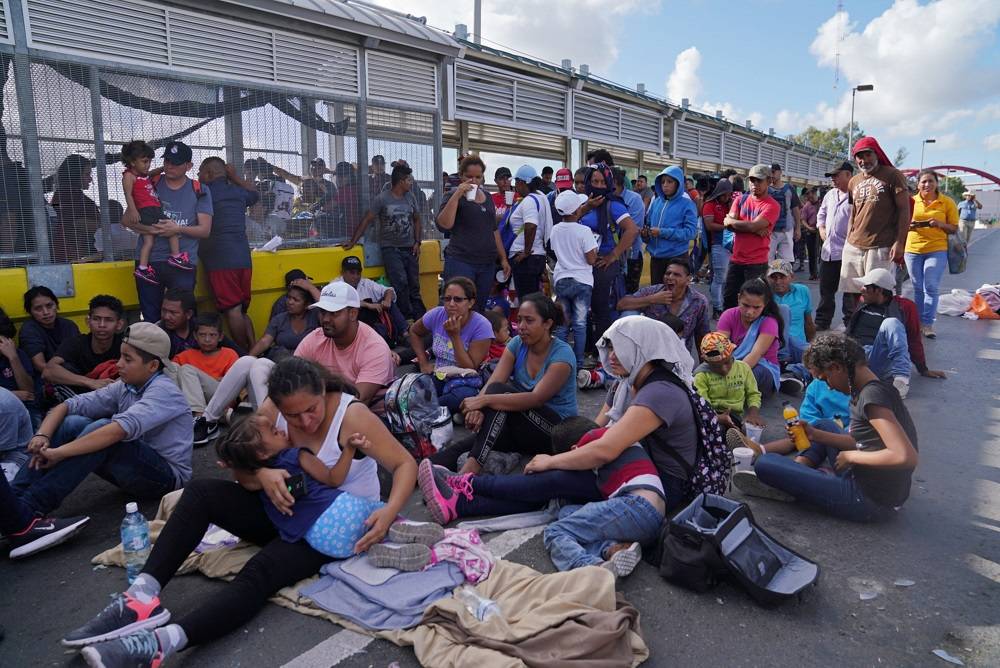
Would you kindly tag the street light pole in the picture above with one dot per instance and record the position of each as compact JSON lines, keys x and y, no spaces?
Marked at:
{"x":922,"y":145}
{"x":850,"y":128}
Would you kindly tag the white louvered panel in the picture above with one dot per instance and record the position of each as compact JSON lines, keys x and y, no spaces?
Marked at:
{"x":641,"y":130}
{"x":512,"y":140}
{"x":624,"y":157}
{"x":750,"y":151}
{"x":710,"y":144}
{"x":798,"y":164}
{"x":4,"y":28}
{"x":772,"y":154}
{"x":685,"y":140}
{"x":401,"y":79}
{"x":196,"y":41}
{"x":316,"y":63}
{"x":480,"y":93}
{"x":102,"y":27}
{"x":595,"y":119}
{"x":540,"y":106}
{"x":733,"y":153}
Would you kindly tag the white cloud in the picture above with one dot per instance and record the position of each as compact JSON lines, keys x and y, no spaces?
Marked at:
{"x":589,"y":31}
{"x":993,"y":142}
{"x":684,"y":81}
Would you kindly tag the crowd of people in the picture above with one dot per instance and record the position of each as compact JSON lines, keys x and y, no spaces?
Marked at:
{"x":540,"y":293}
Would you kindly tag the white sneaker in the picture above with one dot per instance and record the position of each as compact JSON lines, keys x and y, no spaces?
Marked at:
{"x":902,"y":385}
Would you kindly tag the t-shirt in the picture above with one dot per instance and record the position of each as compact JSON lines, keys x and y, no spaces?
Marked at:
{"x":678,"y":432}
{"x":283,"y":195}
{"x":143,"y":193}
{"x":181,"y":206}
{"x":564,"y":401}
{"x":968,"y":209}
{"x":36,"y":339}
{"x":472,"y":237}
{"x":799,"y":305}
{"x":215,"y":365}
{"x":395,"y":216}
{"x":367,"y":360}
{"x":79,"y":356}
{"x":875,"y":216}
{"x":571,"y":242}
{"x":227,"y":247}
{"x":280,"y":328}
{"x":735,"y":392}
{"x":617,"y":212}
{"x":7,"y":379}
{"x":867,"y":321}
{"x":750,"y":247}
{"x":886,"y":487}
{"x":499,"y":204}
{"x":787,"y":200}
{"x":533,"y":209}
{"x":637,"y":211}
{"x":308,"y":507}
{"x":631,"y":470}
{"x":477,"y":329}
{"x":718,"y":212}
{"x":731,"y":322}
{"x":931,"y":239}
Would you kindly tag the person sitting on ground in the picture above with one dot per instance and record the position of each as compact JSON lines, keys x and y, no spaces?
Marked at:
{"x":889,"y":329}
{"x":44,"y":331}
{"x":874,"y":462}
{"x":85,"y":362}
{"x":177,"y":313}
{"x":318,"y":414}
{"x":460,"y":338}
{"x":532,"y":389}
{"x":573,"y":279}
{"x":203,"y":367}
{"x":501,"y":335}
{"x":378,"y":303}
{"x":727,"y":384}
{"x":676,"y":296}
{"x":134,"y":433}
{"x":15,"y":432}
{"x":794,"y":298}
{"x":298,"y":278}
{"x":288,"y":327}
{"x":757,"y":328}
{"x":16,"y":372}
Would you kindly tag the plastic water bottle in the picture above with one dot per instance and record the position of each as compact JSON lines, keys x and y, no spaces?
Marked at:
{"x":482,"y":608}
{"x":794,"y":427}
{"x":135,"y":540}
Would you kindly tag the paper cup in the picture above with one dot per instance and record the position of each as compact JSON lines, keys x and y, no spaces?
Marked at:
{"x":508,"y":197}
{"x":744,"y":459}
{"x":501,"y":276}
{"x":471,"y":195}
{"x":753,"y":432}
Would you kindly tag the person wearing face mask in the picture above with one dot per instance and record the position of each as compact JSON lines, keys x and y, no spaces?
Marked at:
{"x":880,"y":219}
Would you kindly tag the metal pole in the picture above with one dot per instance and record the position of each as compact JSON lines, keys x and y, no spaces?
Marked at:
{"x":850,"y":128}
{"x":233,"y":130}
{"x":923,"y":145}
{"x":373,"y":254}
{"x":101,"y":164}
{"x":477,"y":22}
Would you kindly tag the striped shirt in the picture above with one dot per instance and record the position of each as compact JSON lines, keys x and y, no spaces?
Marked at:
{"x":631,"y":470}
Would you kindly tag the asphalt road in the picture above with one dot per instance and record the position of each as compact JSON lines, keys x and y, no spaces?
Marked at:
{"x":946,"y":540}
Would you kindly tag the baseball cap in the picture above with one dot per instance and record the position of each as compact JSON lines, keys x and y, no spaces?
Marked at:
{"x":568,"y":201}
{"x":759,"y":172}
{"x":525,"y":173}
{"x":564,"y":179}
{"x":294,"y":275}
{"x":177,"y":153}
{"x":779,"y":266}
{"x":843,"y":167}
{"x":716,"y":346}
{"x":723,"y":187}
{"x":501,"y":173}
{"x":337,"y":296}
{"x":351,"y":262}
{"x":880,"y":277}
{"x":148,"y":338}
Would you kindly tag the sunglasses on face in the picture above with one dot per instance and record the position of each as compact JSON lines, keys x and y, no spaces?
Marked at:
{"x":456,"y":300}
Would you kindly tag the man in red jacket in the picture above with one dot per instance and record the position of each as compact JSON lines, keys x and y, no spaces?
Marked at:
{"x":889,"y":329}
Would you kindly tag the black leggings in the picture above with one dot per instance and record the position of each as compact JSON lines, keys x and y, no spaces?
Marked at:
{"x":279,"y":564}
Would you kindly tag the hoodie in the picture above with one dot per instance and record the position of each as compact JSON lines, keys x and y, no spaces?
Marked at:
{"x":676,"y":217}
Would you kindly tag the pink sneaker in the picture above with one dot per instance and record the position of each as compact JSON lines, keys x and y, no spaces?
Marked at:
{"x":148,"y":274}
{"x":441,"y":490}
{"x":181,"y":261}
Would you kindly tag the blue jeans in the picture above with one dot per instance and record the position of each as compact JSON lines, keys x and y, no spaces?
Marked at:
{"x":15,"y":424}
{"x":720,"y":265}
{"x":926,"y":271}
{"x":403,"y":272}
{"x":151,"y":296}
{"x":15,"y":514}
{"x":574,"y":297}
{"x":839,"y":495}
{"x":480,"y":274}
{"x":889,"y":355}
{"x":581,"y":538}
{"x":521,"y":493}
{"x":131,"y":465}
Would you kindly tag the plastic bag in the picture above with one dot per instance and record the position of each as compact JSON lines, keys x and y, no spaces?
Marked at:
{"x":955,"y":303}
{"x":982,"y":308}
{"x":958,"y":254}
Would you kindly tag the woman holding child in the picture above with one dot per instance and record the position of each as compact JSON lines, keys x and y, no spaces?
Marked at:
{"x":757,"y":329}
{"x":319,"y":415}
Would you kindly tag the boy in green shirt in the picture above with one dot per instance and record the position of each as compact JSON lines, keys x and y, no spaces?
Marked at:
{"x":727,"y":384}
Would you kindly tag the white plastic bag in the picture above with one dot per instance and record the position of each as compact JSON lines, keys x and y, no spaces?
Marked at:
{"x":955,"y":303}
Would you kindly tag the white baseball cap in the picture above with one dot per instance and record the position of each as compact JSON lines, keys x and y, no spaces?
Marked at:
{"x":880,"y":277}
{"x":568,"y":201}
{"x":336,"y":296}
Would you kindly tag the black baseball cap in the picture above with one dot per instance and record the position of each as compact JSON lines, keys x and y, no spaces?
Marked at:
{"x":501,"y":173}
{"x":295,"y":274}
{"x":351,"y":262}
{"x":177,"y":153}
{"x":844,"y":167}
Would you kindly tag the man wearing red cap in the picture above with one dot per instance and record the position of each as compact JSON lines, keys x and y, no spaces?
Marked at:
{"x":879,"y":221}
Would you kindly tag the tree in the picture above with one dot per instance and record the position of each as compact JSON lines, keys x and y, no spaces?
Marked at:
{"x":953,"y":187}
{"x":832,"y":140}
{"x":901,"y":155}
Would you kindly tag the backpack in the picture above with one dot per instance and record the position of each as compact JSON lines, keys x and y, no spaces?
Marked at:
{"x":195,"y":184}
{"x":507,"y":234}
{"x":413,"y":412}
{"x":785,"y":202}
{"x":728,"y":236}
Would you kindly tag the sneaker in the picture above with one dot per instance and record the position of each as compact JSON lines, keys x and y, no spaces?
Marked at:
{"x":748,"y":483}
{"x":148,"y":274}
{"x":623,"y":560}
{"x":138,"y":650}
{"x":43,"y":533}
{"x":440,"y":489}
{"x":125,"y":615}
{"x":790,"y":384}
{"x":928,"y":331}
{"x":411,"y":557}
{"x":902,"y":385}
{"x":425,"y":533}
{"x":204,"y":431}
{"x":181,"y":261}
{"x":737,"y":439}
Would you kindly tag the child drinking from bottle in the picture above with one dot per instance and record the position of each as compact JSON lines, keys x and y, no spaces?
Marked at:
{"x":727,"y":384}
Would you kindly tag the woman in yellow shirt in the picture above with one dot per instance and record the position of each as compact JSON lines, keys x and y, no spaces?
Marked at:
{"x":935,"y":216}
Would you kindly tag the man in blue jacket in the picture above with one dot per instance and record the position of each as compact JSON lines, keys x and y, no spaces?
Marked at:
{"x":671,"y":222}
